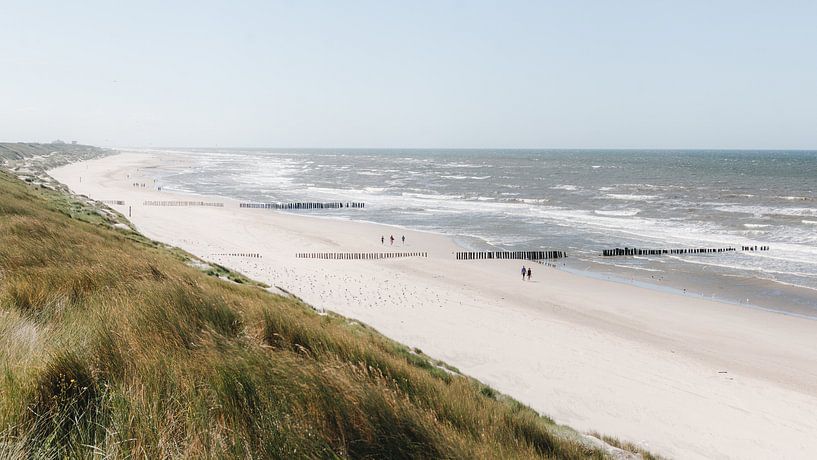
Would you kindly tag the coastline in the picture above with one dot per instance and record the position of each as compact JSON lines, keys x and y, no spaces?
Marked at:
{"x":744,"y":278}
{"x":637,"y":363}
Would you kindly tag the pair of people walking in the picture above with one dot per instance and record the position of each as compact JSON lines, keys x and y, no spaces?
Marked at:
{"x":391,"y":240}
{"x":526,"y":272}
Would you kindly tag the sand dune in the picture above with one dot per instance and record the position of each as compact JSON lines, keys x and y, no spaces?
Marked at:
{"x":682,"y":376}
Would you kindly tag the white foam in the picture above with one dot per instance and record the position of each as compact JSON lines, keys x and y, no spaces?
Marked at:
{"x":630,"y":267}
{"x":630,"y":197}
{"x":465,"y":165}
{"x":760,"y":211}
{"x":425,"y":196}
{"x":617,"y":212}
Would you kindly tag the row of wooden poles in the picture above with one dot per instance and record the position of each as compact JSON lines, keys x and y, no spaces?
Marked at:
{"x":657,"y":252}
{"x":501,"y":255}
{"x":358,"y":255}
{"x":754,"y":248}
{"x":116,"y":202}
{"x":183,"y":203}
{"x":525,"y":255}
{"x":302,"y":205}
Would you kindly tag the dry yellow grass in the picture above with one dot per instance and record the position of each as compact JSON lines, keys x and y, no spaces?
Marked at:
{"x":112,"y":346}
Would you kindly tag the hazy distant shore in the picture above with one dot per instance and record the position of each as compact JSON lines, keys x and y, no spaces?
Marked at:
{"x":30,"y":160}
{"x":684,"y":376}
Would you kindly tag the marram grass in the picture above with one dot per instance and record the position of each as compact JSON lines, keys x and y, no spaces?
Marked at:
{"x":111,"y":346}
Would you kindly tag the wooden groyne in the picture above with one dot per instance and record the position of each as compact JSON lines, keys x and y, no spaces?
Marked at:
{"x":754,"y":248}
{"x":505,"y":255}
{"x":253,"y":255}
{"x":303,"y":205}
{"x":183,"y":203}
{"x":358,"y":255}
{"x":116,"y":202}
{"x":657,"y":252}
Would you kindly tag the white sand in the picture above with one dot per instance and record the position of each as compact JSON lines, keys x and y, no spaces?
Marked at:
{"x":682,"y":376}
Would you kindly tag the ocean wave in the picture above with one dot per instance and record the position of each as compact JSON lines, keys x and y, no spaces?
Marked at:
{"x":466,"y":177}
{"x":617,"y":212}
{"x":760,"y":211}
{"x":425,"y":196}
{"x":567,"y":187}
{"x":629,"y":197}
{"x":630,"y":267}
{"x":738,"y":195}
{"x":464,"y":165}
{"x":749,"y":268}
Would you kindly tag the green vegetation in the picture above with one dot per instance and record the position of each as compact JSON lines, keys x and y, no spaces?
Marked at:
{"x":36,"y":156}
{"x":625,"y":446}
{"x":111,"y":345}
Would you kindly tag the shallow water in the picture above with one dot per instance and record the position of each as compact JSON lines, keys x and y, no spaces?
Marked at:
{"x":575,"y":200}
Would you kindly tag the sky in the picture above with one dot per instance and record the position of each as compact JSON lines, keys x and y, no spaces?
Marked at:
{"x":437,"y":74}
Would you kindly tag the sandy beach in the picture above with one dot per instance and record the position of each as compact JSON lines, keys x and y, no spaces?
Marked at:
{"x":682,"y":376}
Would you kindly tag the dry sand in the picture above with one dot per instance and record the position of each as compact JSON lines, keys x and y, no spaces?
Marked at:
{"x":682,"y":376}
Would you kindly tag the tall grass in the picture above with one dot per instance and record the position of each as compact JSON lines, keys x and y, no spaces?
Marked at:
{"x":112,"y":346}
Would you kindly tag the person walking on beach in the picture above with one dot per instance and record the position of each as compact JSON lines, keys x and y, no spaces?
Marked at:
{"x":524,"y":272}
{"x":391,"y":239}
{"x":382,"y":240}
{"x":528,"y":273}
{"x":404,"y":239}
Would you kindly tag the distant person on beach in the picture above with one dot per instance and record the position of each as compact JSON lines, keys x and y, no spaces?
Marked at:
{"x":524,"y":272}
{"x":529,"y":273}
{"x":391,"y":239}
{"x":382,"y":240}
{"x":404,"y":239}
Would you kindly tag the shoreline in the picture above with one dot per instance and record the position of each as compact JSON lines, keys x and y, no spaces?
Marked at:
{"x":686,"y":276}
{"x":633,"y":362}
{"x":626,"y":275}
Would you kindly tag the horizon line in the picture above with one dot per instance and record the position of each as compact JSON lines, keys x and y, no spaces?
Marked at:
{"x":711,"y":149}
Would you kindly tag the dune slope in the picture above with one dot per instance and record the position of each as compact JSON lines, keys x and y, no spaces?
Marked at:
{"x":112,"y":344}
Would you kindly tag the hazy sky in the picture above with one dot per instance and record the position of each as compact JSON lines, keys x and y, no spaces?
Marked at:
{"x":597,"y":74}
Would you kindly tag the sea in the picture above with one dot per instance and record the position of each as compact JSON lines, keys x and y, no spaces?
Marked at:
{"x":578,"y":201}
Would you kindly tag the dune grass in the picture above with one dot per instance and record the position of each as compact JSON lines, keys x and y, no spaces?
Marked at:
{"x":112,"y":346}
